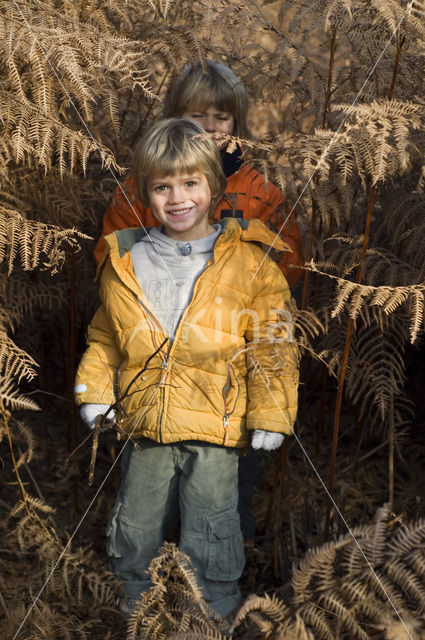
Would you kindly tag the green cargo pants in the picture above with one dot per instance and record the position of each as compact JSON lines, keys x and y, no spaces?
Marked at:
{"x":200,"y":481}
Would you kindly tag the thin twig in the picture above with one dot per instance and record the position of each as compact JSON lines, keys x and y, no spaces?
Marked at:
{"x":3,"y":604}
{"x":28,"y":470}
{"x":366,"y":455}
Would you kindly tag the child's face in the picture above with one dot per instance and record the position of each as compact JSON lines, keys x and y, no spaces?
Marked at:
{"x":213,"y":121}
{"x":181,"y":202}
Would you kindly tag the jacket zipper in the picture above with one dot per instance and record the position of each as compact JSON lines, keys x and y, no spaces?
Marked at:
{"x":165,"y":364}
{"x":226,"y":412}
{"x":161,"y":385}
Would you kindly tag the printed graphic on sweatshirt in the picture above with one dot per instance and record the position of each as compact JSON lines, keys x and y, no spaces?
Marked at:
{"x":169,"y":299}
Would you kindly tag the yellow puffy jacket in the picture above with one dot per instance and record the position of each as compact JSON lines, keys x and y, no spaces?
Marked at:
{"x":230,"y":367}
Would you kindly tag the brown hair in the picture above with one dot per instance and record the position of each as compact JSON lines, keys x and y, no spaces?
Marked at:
{"x":200,"y":88}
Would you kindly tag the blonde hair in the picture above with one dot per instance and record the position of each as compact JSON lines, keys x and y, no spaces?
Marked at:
{"x":178,"y":145}
{"x":200,"y":88}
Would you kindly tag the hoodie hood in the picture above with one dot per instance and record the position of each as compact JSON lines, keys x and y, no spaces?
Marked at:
{"x":120,"y":242}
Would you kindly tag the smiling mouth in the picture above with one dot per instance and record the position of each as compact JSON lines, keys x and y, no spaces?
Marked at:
{"x":180,"y":212}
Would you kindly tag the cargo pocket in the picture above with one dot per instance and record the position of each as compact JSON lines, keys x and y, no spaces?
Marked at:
{"x":111,"y":532}
{"x":226,"y":557}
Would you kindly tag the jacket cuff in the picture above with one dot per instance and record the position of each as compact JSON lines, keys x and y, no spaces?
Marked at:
{"x":269,"y":425}
{"x":93,"y":397}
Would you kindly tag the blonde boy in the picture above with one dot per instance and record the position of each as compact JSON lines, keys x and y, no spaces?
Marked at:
{"x":211,"y":290}
{"x":214,"y":97}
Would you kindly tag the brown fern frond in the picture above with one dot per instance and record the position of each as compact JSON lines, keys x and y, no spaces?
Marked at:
{"x":374,"y":139}
{"x":11,"y":397}
{"x":36,"y":135}
{"x":415,"y":16}
{"x":327,"y":199}
{"x":389,"y":298}
{"x":315,"y":618}
{"x":280,"y":175}
{"x":377,"y":367}
{"x":407,"y":580}
{"x":35,"y":241}
{"x":346,"y":618}
{"x":417,"y":562}
{"x":23,"y":432}
{"x":390,"y":11}
{"x":380,"y":119}
{"x":358,"y":595}
{"x":407,"y":539}
{"x":416,"y":314}
{"x":48,"y":623}
{"x":26,"y":296}
{"x":307,"y":324}
{"x":266,"y":606}
{"x":317,"y":562}
{"x":384,"y":588}
{"x":15,"y":362}
{"x":175,"y":602}
{"x":197,"y":634}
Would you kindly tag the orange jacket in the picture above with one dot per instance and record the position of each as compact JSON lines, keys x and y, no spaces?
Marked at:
{"x":246,"y":192}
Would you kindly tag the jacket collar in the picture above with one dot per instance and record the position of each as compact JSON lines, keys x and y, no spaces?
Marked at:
{"x":119,"y":243}
{"x":253,"y":230}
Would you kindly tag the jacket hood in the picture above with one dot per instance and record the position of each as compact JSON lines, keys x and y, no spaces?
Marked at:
{"x":120,"y":242}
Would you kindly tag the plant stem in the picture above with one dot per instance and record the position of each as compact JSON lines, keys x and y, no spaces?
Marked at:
{"x":349,"y":335}
{"x":344,"y":364}
{"x":314,"y":206}
{"x":5,"y":415}
{"x":282,"y":462}
{"x":330,"y":74}
{"x":308,"y":256}
{"x":400,"y":43}
{"x":321,"y":421}
{"x":391,"y":438}
{"x":72,"y":429}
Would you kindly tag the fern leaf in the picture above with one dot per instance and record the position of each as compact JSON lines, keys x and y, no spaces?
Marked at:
{"x":13,"y":399}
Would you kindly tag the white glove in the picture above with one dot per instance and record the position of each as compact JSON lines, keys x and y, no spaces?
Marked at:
{"x":89,"y":413}
{"x":267,"y":440}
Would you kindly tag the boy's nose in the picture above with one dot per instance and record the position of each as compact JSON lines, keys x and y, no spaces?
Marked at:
{"x":176,"y":195}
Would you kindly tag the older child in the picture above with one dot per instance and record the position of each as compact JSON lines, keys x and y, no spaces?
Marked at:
{"x":217,"y":100}
{"x":211,"y":290}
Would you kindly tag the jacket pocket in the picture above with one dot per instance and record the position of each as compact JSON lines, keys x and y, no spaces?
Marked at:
{"x":112,"y":547}
{"x":226,"y":558}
